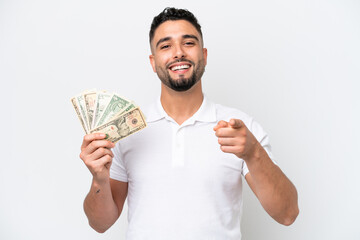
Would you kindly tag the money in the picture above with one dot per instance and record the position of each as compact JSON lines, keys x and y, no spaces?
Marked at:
{"x":122,"y":126}
{"x":116,"y":105}
{"x":75,"y":105}
{"x":99,"y":111}
{"x":90,"y":99}
{"x":81,"y":104}
{"x":102,"y":100}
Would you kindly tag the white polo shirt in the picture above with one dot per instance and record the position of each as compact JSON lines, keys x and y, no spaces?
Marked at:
{"x":180,"y":184}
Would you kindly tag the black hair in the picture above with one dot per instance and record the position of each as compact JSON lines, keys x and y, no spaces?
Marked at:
{"x":173,"y":14}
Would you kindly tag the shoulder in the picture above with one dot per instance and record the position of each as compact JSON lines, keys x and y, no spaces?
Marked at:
{"x":227,"y":113}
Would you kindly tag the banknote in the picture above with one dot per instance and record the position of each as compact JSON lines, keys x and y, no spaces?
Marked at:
{"x":73,"y":101}
{"x":90,"y":99}
{"x":100,"y":111}
{"x":122,"y":126}
{"x":81,"y":104}
{"x":117,"y":104}
{"x":102,"y":100}
{"x":129,"y":107}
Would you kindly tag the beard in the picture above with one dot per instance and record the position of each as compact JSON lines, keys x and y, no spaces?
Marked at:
{"x":182,"y":84}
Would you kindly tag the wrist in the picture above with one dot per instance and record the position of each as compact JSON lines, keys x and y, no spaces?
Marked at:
{"x":97,"y":183}
{"x":255,"y":154}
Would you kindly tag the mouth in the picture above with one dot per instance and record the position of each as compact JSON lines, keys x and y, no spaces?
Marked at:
{"x":181,"y":67}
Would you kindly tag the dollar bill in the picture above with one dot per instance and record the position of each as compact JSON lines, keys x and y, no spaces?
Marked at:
{"x":128,"y":108}
{"x":90,"y":99}
{"x":102,"y":100}
{"x":123,"y":125}
{"x":116,"y":105}
{"x":81,"y":104}
{"x":76,"y":107}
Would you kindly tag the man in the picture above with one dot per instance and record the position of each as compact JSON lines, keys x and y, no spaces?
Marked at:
{"x":182,"y":174}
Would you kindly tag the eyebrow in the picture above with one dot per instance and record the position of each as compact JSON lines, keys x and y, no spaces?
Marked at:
{"x":184,"y":37}
{"x":163,"y":40}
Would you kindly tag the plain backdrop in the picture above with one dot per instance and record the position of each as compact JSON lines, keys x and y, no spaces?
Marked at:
{"x":292,"y":65}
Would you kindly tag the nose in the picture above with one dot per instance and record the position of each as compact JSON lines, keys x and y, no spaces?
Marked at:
{"x":179,"y":52}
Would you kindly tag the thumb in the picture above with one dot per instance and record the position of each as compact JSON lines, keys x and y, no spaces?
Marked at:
{"x":236,"y":123}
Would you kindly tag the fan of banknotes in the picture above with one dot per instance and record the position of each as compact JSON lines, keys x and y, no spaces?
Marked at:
{"x":104,"y":112}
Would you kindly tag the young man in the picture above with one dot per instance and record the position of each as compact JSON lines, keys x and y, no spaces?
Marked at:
{"x":182,"y":174}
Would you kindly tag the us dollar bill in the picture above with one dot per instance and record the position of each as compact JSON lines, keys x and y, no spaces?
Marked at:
{"x":90,"y":99}
{"x":128,"y":108}
{"x":122,"y":126}
{"x":102,"y":100}
{"x":81,"y":104}
{"x":116,"y":105}
{"x":76,"y":107}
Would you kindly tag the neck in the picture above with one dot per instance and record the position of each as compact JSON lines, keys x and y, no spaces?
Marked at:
{"x":180,"y":106}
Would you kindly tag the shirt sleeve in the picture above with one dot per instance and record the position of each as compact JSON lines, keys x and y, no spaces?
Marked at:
{"x":118,"y":169}
{"x":263,"y":139}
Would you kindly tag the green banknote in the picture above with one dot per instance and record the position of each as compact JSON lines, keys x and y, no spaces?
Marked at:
{"x":116,"y":105}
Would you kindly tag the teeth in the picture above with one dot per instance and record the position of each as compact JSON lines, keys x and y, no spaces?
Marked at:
{"x":179,"y":67}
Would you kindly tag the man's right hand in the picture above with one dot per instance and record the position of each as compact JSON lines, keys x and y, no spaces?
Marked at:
{"x":97,"y":156}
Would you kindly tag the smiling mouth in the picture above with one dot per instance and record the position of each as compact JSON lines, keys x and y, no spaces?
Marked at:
{"x":180,"y":67}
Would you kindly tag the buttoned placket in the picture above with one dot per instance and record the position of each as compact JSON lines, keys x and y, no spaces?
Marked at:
{"x":178,"y":142}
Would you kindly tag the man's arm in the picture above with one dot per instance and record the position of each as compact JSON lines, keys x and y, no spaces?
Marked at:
{"x":274,"y":190}
{"x":105,"y":200}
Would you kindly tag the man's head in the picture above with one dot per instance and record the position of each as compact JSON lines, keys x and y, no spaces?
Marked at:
{"x":174,"y":14}
{"x":178,"y":56}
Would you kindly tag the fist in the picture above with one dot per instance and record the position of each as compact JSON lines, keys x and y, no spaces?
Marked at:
{"x":97,"y":156}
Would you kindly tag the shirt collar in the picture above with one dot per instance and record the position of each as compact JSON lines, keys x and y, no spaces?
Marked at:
{"x":206,"y":112}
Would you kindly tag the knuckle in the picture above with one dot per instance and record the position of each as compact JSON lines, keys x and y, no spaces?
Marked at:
{"x":245,"y":134}
{"x":102,"y":151}
{"x":93,"y":144}
{"x":87,"y":138}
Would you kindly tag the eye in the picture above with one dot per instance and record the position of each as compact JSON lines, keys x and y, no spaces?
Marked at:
{"x":189,"y":43}
{"x":165,"y":46}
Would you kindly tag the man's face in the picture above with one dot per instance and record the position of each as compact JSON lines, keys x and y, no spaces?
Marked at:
{"x":178,"y":56}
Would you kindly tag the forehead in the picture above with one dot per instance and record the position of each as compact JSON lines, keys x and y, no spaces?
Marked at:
{"x":174,"y":29}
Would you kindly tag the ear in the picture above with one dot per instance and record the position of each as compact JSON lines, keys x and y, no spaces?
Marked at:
{"x":205,"y":55}
{"x":152,"y":62}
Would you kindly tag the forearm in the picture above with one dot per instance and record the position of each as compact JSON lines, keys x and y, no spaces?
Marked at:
{"x":100,"y":207}
{"x":274,"y":190}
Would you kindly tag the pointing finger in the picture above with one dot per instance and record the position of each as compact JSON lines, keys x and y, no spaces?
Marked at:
{"x":220,"y":124}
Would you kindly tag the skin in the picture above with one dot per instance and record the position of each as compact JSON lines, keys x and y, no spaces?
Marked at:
{"x":175,"y":41}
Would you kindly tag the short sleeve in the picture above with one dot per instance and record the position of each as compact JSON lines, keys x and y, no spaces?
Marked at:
{"x":117,"y":169}
{"x":263,"y":139}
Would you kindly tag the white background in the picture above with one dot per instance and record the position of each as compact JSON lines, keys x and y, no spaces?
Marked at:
{"x":293,"y":65}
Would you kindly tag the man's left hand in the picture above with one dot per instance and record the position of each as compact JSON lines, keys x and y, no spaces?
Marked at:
{"x":234,"y":137}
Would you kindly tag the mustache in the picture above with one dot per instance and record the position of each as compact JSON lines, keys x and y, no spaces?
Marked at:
{"x":180,"y":60}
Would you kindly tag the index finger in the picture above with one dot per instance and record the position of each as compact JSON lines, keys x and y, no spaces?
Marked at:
{"x":88,"y":138}
{"x":220,"y":124}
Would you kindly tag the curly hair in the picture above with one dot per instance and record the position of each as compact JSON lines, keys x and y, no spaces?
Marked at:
{"x":171,"y":13}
